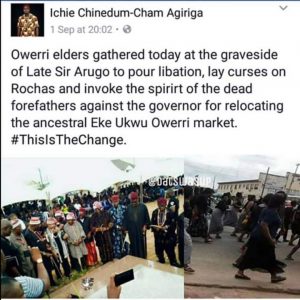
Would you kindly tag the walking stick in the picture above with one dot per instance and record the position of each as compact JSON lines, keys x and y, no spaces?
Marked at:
{"x":145,"y":243}
{"x":55,"y":266}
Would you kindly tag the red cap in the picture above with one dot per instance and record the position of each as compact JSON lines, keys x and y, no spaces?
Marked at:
{"x":115,"y":198}
{"x":134,"y":196}
{"x":162,"y":201}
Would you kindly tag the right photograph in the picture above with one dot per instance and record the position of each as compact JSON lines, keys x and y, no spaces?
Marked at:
{"x":242,"y":226}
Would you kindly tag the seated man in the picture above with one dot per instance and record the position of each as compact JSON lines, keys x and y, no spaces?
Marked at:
{"x":11,"y":288}
{"x":30,"y":287}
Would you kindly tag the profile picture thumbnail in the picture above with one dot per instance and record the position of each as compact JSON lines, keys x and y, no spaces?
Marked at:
{"x":27,"y":19}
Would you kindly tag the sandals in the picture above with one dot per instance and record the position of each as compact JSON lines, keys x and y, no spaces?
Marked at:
{"x":188,"y":269}
{"x":243,"y":277}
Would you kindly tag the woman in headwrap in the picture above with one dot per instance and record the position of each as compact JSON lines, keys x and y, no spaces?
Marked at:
{"x":85,"y":222}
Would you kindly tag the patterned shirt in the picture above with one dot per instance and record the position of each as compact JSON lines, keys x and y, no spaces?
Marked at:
{"x":27,"y":25}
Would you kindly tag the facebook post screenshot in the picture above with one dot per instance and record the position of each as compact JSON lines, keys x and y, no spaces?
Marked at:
{"x":150,"y":149}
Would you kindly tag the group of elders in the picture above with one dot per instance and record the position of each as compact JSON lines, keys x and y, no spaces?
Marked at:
{"x":68,"y":241}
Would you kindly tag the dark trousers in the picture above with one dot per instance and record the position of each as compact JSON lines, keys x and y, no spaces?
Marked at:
{"x":104,"y":244}
{"x":75,"y":263}
{"x":163,"y":244}
{"x":50,"y":264}
{"x":66,"y":266}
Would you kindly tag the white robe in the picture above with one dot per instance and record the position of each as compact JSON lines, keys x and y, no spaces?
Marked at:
{"x":75,"y":232}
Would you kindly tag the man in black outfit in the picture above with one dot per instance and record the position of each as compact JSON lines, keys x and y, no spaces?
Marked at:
{"x":35,"y":239}
{"x":163,"y":223}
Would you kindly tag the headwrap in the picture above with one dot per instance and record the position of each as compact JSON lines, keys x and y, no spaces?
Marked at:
{"x":162,"y":201}
{"x":134,"y":197}
{"x":70,"y":216}
{"x":97,"y":205}
{"x":15,"y":223}
{"x":115,"y":198}
{"x":35,"y":221}
{"x":51,"y":221}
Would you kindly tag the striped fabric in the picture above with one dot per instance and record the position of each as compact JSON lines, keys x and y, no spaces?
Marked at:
{"x":32,"y":287}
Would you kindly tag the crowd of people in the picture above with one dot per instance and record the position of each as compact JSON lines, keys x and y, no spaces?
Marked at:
{"x":84,"y":231}
{"x":257,"y":223}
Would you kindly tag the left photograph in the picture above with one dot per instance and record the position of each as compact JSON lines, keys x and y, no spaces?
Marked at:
{"x":92,"y":228}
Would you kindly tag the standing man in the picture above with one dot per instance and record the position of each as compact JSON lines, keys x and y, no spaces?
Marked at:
{"x":117,"y":213}
{"x":20,"y":243}
{"x":35,"y":238}
{"x":75,"y":238}
{"x":136,"y":222}
{"x":59,"y":247}
{"x":101,"y":223}
{"x":163,"y":223}
{"x":28,"y":24}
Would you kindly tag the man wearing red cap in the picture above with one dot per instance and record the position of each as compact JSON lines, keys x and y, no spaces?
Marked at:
{"x":101,"y":224}
{"x":55,"y":237}
{"x":136,"y":222}
{"x":85,"y":222}
{"x":163,"y":223}
{"x":35,"y":238}
{"x":117,"y":212}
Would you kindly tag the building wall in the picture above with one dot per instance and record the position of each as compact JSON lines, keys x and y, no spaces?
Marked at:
{"x":289,"y":183}
{"x":273,"y":183}
{"x":246,"y":188}
{"x":293,"y":184}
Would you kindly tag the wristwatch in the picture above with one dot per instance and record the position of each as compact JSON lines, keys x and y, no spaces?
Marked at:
{"x":39,"y":261}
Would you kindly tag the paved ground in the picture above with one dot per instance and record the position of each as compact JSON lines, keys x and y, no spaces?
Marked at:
{"x":214,"y":276}
{"x":209,"y":292}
